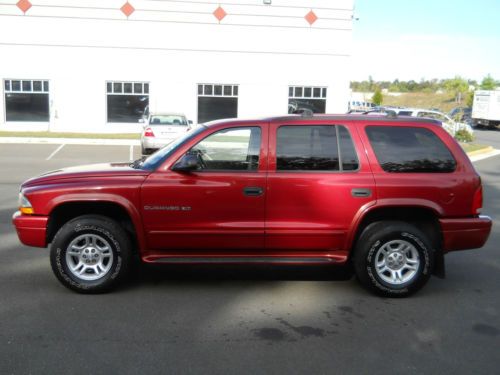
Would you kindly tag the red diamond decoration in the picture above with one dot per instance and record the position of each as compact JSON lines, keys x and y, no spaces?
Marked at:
{"x":24,"y":5}
{"x":220,"y":13}
{"x":311,"y":17}
{"x":127,"y":9}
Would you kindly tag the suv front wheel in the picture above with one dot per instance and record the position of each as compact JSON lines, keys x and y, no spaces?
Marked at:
{"x":393,"y":258}
{"x":90,"y":254}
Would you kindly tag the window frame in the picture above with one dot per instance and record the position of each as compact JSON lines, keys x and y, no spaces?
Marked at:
{"x":122,"y":93}
{"x":260,"y":162}
{"x":234,"y":88}
{"x":341,"y":170}
{"x":43,"y":82}
{"x":299,"y":93}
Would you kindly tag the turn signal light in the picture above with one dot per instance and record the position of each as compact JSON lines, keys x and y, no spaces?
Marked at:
{"x":25,"y":205}
{"x":148,"y":132}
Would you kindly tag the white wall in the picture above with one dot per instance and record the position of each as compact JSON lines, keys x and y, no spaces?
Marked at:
{"x":174,"y":46}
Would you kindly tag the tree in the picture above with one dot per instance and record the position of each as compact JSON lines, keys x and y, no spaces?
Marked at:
{"x":377,"y":97}
{"x":469,"y":99}
{"x":488,"y":83}
{"x":458,"y":86}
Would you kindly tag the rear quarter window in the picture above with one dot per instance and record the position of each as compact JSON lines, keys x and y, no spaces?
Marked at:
{"x":410,"y":150}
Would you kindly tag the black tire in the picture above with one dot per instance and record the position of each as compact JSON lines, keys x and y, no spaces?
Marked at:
{"x":402,"y":242}
{"x":111,"y":245}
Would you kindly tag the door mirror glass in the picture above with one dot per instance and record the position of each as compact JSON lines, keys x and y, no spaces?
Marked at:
{"x":187,"y":163}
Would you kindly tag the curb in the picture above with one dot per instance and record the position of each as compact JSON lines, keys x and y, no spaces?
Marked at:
{"x":71,"y":141}
{"x":481,"y":151}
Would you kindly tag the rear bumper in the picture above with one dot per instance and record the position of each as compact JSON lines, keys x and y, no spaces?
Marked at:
{"x":467,"y":233}
{"x":155,"y":143}
{"x":31,"y":230}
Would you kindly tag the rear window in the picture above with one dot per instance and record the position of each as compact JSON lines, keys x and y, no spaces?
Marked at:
{"x":405,"y":113}
{"x":410,"y":150}
{"x":168,"y":120}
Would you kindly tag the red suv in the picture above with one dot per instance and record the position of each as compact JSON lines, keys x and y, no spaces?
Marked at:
{"x":387,"y":195}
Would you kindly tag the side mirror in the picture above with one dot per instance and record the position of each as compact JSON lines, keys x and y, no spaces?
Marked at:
{"x":187,"y":163}
{"x":141,"y":121}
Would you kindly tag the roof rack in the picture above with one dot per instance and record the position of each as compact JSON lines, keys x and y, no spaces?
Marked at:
{"x":389,"y":113}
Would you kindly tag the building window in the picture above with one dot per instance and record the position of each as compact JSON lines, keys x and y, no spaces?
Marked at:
{"x":127,"y":101}
{"x":302,"y":98}
{"x":217,"y":101}
{"x":26,"y":100}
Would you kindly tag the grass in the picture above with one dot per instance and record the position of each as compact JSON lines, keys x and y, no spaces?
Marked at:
{"x":71,"y":135}
{"x":469,"y":147}
{"x":444,"y":102}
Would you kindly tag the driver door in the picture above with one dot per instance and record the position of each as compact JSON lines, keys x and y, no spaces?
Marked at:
{"x":217,"y":208}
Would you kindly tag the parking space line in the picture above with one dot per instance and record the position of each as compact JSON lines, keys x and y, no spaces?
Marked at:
{"x":56,"y":151}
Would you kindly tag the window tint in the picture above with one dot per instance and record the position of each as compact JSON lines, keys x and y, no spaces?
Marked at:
{"x":234,"y":149}
{"x":347,"y":151}
{"x":307,"y":148}
{"x":408,"y":149}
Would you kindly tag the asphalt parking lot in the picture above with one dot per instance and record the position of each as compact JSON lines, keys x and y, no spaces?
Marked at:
{"x":245,"y":320}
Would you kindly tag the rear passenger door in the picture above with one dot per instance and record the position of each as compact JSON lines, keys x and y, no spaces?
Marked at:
{"x":318,"y":180}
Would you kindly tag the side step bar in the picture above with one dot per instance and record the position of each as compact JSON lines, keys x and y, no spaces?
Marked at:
{"x":224,"y":260}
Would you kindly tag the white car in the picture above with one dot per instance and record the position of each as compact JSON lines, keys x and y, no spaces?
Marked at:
{"x":162,"y":128}
{"x":449,"y":124}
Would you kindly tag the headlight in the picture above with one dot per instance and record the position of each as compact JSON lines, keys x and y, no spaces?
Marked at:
{"x":25,"y":205}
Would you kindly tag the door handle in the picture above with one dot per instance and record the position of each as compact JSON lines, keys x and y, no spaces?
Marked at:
{"x":360,"y":193}
{"x":253,"y":191}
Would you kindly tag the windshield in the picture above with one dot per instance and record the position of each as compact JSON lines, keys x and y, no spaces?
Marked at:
{"x":154,"y":160}
{"x":167,"y":120}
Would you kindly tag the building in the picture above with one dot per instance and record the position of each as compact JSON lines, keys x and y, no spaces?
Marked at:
{"x":97,"y":65}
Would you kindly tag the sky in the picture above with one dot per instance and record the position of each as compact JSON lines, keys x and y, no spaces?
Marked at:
{"x":415,"y":39}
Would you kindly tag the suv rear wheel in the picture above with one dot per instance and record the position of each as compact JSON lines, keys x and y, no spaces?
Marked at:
{"x":90,"y":254}
{"x":393,"y":258}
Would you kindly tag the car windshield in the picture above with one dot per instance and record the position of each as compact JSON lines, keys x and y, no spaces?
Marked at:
{"x":167,"y":120}
{"x":154,"y":160}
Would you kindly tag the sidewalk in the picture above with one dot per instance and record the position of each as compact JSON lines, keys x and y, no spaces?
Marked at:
{"x":71,"y":141}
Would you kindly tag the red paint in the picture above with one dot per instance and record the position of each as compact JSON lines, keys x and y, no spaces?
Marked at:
{"x":31,"y":229}
{"x":299,"y":214}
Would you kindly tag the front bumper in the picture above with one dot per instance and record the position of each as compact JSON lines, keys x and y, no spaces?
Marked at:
{"x":466,"y":233}
{"x":31,"y":230}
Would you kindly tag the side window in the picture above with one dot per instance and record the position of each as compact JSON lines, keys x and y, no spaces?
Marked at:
{"x":348,"y":154}
{"x":233,"y":149}
{"x":315,"y":148}
{"x":409,"y":150}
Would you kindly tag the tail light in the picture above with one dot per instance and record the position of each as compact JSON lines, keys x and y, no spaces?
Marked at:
{"x":477,"y":200}
{"x":148,"y":132}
